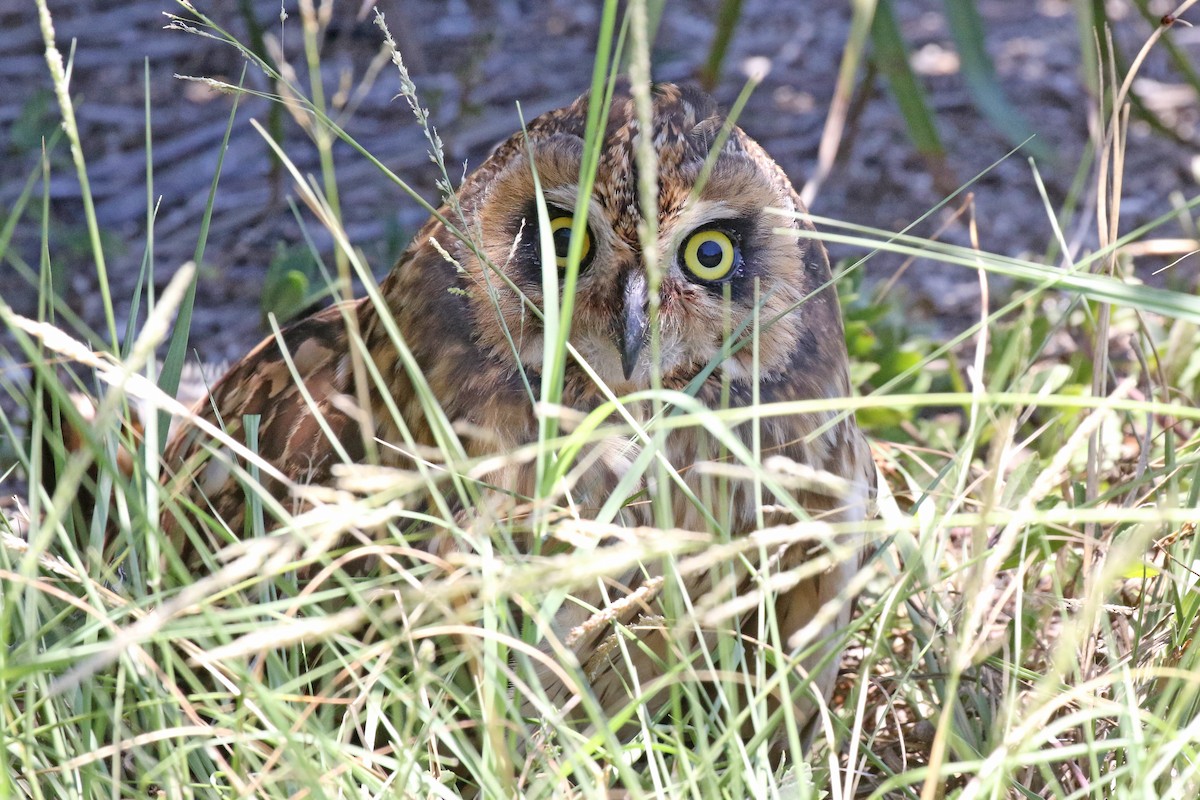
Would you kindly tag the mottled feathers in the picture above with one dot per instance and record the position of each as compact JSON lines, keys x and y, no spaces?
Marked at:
{"x":461,"y":303}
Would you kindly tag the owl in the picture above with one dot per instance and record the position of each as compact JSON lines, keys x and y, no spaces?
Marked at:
{"x":454,"y":341}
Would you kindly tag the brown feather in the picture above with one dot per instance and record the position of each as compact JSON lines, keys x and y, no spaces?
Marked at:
{"x":460,"y":319}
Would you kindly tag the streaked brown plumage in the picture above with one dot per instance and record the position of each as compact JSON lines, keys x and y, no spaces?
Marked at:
{"x":472,"y":339}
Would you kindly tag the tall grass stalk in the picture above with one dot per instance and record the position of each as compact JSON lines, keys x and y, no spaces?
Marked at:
{"x":1027,"y":620}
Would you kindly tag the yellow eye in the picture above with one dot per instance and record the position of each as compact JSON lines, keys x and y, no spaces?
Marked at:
{"x":560,"y":232}
{"x":710,"y":254}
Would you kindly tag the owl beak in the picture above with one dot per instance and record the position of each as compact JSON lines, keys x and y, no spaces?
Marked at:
{"x":633,"y":334}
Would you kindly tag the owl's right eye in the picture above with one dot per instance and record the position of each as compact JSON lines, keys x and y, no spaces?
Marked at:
{"x":560,"y":232}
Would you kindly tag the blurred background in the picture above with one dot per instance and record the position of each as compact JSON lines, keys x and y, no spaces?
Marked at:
{"x":473,"y":62}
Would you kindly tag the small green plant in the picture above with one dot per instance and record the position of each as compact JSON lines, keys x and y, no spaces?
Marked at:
{"x":886,"y":347}
{"x":35,"y":124}
{"x":293,"y":283}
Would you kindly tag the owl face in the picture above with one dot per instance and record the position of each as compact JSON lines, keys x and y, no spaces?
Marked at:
{"x":717,"y":248}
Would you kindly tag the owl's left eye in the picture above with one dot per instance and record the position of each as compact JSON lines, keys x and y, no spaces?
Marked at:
{"x":560,"y":232}
{"x":711,"y":254}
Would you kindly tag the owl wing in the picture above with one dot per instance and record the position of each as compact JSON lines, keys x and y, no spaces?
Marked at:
{"x":300,"y":436}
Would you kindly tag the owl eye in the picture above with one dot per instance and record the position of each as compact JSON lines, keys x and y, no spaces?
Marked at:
{"x":711,"y":254}
{"x":560,"y":232}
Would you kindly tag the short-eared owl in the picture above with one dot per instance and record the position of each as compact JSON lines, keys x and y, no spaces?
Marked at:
{"x":745,"y":313}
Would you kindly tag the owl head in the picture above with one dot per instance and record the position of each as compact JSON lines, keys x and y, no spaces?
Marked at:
{"x":721,"y":252}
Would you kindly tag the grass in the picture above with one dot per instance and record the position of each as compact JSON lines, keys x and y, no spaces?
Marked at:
{"x":1026,"y":627}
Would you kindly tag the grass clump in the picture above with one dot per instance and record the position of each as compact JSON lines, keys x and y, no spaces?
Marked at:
{"x":1026,"y":628}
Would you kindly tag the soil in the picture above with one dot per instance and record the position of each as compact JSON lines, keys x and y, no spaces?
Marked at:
{"x":473,"y":62}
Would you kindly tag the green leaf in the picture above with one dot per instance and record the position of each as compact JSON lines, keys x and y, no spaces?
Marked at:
{"x":286,"y":296}
{"x":967,"y":28}
{"x":890,"y":56}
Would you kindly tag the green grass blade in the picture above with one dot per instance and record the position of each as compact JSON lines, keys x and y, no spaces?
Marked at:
{"x":890,"y":55}
{"x":172,"y":367}
{"x":969,"y":32}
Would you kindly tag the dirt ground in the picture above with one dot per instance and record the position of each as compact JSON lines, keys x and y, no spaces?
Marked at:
{"x":472,"y":63}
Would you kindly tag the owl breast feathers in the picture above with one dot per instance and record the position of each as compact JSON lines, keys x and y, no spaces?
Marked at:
{"x":449,"y":355}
